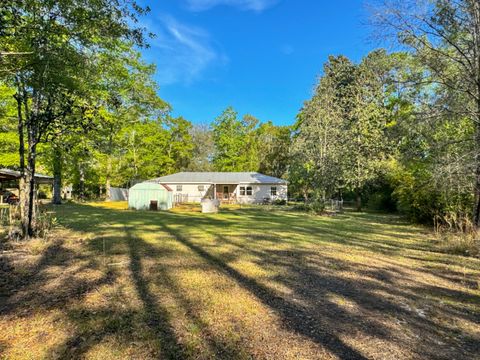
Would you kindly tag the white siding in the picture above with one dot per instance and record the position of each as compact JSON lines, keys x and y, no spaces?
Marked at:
{"x":261,"y":192}
{"x":194,"y":195}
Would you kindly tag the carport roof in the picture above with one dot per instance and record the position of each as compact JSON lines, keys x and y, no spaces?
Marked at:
{"x":7,"y":174}
{"x":218,"y":178}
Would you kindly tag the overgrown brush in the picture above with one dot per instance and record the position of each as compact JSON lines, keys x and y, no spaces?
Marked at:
{"x":44,"y":224}
{"x":466,"y":244}
{"x":457,"y":234}
{"x":314,"y":206}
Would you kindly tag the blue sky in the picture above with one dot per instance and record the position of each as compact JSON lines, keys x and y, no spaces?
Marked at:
{"x":260,"y":56}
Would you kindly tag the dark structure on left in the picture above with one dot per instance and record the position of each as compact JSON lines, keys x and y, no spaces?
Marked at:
{"x":9,"y":183}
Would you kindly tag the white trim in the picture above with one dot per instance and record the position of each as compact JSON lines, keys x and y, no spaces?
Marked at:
{"x":219,"y":183}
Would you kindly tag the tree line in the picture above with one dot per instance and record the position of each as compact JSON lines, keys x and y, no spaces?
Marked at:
{"x":401,"y":129}
{"x":398,"y":130}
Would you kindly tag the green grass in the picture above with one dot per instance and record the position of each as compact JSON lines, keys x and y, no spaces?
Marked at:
{"x":249,"y":282}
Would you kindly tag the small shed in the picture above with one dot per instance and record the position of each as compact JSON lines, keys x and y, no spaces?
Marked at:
{"x":149,"y":196}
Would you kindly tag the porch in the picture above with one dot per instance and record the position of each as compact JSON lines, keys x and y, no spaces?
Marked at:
{"x":227,"y":193}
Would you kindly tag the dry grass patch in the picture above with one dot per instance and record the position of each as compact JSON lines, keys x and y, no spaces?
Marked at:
{"x":244,"y":283}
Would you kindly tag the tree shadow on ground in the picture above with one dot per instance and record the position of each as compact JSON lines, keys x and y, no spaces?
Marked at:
{"x":28,"y":287}
{"x":312,"y":287}
{"x":153,"y":320}
{"x":155,"y":316}
{"x":140,"y":251}
{"x":378,"y":293}
{"x":295,"y":318}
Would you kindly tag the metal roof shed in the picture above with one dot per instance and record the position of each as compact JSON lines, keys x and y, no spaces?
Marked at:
{"x":149,"y":196}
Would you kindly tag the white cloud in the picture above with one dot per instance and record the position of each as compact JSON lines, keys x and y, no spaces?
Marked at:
{"x":253,"y":5}
{"x":182,"y":52}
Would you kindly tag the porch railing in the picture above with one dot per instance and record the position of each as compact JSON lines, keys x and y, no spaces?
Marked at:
{"x":229,"y":199}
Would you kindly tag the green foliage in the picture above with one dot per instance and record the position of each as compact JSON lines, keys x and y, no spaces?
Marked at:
{"x":153,"y":148}
{"x":400,"y":130}
{"x":203,"y":148}
{"x":228,"y":134}
{"x":317,"y":206}
{"x":420,"y":200}
{"x":439,"y":138}
{"x":340,"y":135}
{"x":52,"y":53}
{"x":274,"y":144}
{"x":246,"y":145}
{"x":9,"y":156}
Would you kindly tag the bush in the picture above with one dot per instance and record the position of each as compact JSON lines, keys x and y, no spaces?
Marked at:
{"x":300,"y":207}
{"x":315,"y":207}
{"x":422,"y":198}
{"x":45,"y":223}
{"x":279,"y":202}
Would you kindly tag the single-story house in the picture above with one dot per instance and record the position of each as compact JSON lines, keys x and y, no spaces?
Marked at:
{"x":228,"y":187}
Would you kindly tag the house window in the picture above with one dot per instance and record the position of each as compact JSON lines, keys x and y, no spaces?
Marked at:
{"x":201,"y":188}
{"x":179,"y":187}
{"x":249,"y":190}
{"x":273,"y":191}
{"x":242,"y":190}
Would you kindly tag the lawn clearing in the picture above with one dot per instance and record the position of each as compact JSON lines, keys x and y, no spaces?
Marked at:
{"x":249,"y":282}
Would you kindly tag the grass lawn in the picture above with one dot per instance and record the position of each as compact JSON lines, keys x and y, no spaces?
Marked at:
{"x":249,"y":282}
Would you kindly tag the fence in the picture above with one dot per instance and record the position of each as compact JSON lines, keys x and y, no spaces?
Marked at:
{"x":336,"y":205}
{"x":180,"y":199}
{"x":118,"y":194}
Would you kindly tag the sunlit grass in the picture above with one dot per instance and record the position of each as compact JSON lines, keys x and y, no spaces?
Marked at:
{"x":248,"y":282}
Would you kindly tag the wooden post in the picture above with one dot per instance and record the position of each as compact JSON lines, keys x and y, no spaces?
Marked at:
{"x":10,"y":219}
{"x":104,"y":253}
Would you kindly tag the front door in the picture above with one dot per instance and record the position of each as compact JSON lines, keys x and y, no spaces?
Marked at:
{"x":225,"y":193}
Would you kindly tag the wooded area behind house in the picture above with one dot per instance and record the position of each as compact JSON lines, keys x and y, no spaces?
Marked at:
{"x":398,"y":131}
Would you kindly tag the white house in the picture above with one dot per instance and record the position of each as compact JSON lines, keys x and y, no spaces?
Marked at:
{"x":228,"y":187}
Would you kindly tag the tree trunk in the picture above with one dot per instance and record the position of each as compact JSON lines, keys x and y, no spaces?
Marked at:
{"x":31,"y":186}
{"x":81,"y":195}
{"x":358,"y":201}
{"x":30,"y":181}
{"x":57,"y":175}
{"x":476,"y":119}
{"x":108,"y":194}
{"x":21,"y":151}
{"x":476,"y":211}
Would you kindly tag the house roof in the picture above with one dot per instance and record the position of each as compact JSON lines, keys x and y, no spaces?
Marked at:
{"x":218,"y":178}
{"x":7,"y":174}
